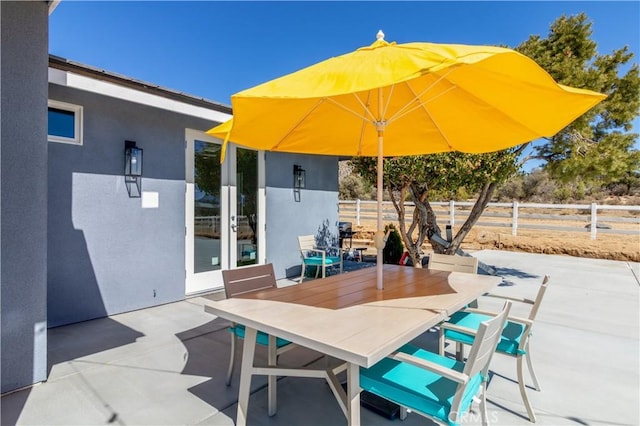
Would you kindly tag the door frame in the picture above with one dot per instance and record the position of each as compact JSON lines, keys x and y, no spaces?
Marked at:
{"x":212,"y":280}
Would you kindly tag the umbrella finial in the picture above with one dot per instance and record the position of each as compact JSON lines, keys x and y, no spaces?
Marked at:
{"x":380,"y":35}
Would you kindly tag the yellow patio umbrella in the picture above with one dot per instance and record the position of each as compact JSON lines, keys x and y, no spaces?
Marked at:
{"x":392,"y":99}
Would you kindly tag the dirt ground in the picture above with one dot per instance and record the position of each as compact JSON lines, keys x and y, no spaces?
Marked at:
{"x":606,"y":246}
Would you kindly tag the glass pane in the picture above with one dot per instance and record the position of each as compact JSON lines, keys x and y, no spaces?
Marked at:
{"x":61,"y":123}
{"x":247,"y":206}
{"x":207,"y":252}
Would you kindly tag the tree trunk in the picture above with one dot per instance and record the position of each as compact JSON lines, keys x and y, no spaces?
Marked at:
{"x":478,"y":208}
{"x":424,"y":221}
{"x":413,"y":244}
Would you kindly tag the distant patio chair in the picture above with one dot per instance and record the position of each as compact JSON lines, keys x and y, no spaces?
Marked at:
{"x":319,"y":257}
{"x":453,"y":263}
{"x":244,"y":280}
{"x":433,"y":385}
{"x":514,"y":341}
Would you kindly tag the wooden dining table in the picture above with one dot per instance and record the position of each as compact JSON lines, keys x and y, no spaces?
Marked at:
{"x":346,"y":317}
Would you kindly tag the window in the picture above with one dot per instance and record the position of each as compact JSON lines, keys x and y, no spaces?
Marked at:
{"x":65,"y":123}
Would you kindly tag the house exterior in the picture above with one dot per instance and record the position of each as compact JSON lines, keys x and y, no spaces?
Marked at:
{"x":23,"y":192}
{"x":80,"y":240}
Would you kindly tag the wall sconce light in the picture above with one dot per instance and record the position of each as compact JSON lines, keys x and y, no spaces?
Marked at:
{"x":133,"y":169}
{"x":299,"y":178}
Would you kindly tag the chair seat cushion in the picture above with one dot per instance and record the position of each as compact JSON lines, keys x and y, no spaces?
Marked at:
{"x":509,"y":341}
{"x":261,"y":338}
{"x":317,"y":260}
{"x":417,"y":388}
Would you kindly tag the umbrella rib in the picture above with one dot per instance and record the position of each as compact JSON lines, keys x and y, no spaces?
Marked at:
{"x":504,"y":114}
{"x":418,"y":105}
{"x":403,"y":111}
{"x":295,"y":126}
{"x":364,"y":123}
{"x":360,"y":116}
{"x":498,"y":110}
{"x":386,"y":107}
{"x":426,"y":110}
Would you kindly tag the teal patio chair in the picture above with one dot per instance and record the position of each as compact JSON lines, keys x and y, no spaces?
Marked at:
{"x":514,"y":341}
{"x":320,"y":258}
{"x":244,"y":280}
{"x":433,"y":385}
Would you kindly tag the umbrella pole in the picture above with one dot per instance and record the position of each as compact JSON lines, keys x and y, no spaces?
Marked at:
{"x":380,"y":240}
{"x":380,"y":230}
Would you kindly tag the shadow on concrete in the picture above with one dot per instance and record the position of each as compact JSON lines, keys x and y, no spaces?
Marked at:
{"x":502,"y":407}
{"x":67,"y":343}
{"x":208,"y":356}
{"x":208,"y":349}
{"x":515,"y":273}
{"x":507,"y":273}
{"x":12,"y":405}
{"x":213,"y":337}
{"x":78,"y":340}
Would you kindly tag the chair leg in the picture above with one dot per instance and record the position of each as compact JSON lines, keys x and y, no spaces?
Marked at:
{"x":483,"y":404}
{"x":459,"y":352}
{"x":403,"y":413}
{"x":231,"y":357}
{"x":536,"y":385}
{"x":318,"y":271}
{"x":441,"y":341}
{"x":523,"y":392}
{"x":302,"y":274}
{"x":272,"y":359}
{"x":324,"y":271}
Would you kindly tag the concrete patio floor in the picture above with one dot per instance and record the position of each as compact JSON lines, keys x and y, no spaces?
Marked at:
{"x":166,"y":365}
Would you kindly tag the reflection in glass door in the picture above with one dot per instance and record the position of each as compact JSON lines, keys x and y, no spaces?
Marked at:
{"x":246,"y":207}
{"x":206,"y":213}
{"x":207,"y":253}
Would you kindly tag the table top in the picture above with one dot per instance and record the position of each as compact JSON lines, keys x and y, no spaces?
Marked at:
{"x":345,"y":316}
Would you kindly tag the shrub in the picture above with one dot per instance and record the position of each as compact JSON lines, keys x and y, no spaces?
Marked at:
{"x":511,"y":190}
{"x":393,"y":250}
{"x":353,"y":187}
{"x":562,"y":193}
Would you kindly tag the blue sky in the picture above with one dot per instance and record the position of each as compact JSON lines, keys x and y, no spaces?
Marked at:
{"x":213,"y":49}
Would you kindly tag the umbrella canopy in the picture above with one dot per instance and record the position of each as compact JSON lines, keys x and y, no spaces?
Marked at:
{"x":392,"y":99}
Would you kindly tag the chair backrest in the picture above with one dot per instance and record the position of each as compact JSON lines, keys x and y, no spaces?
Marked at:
{"x":244,"y":280}
{"x":484,"y":346}
{"x":538,"y":301}
{"x":486,"y":341}
{"x":453,"y":263}
{"x":306,"y":243}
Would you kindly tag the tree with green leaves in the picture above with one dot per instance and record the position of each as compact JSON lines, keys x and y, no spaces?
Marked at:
{"x":595,"y":143}
{"x":438,"y":176}
{"x":598,"y":147}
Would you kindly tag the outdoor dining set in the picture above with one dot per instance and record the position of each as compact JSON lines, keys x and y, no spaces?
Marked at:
{"x":368,"y":332}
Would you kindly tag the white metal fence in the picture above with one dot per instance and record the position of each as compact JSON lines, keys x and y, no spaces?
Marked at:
{"x":619,"y":219}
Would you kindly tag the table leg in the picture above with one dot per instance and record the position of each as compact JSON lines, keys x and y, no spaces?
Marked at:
{"x":272,"y":380}
{"x":353,"y":394}
{"x":245,"y":375}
